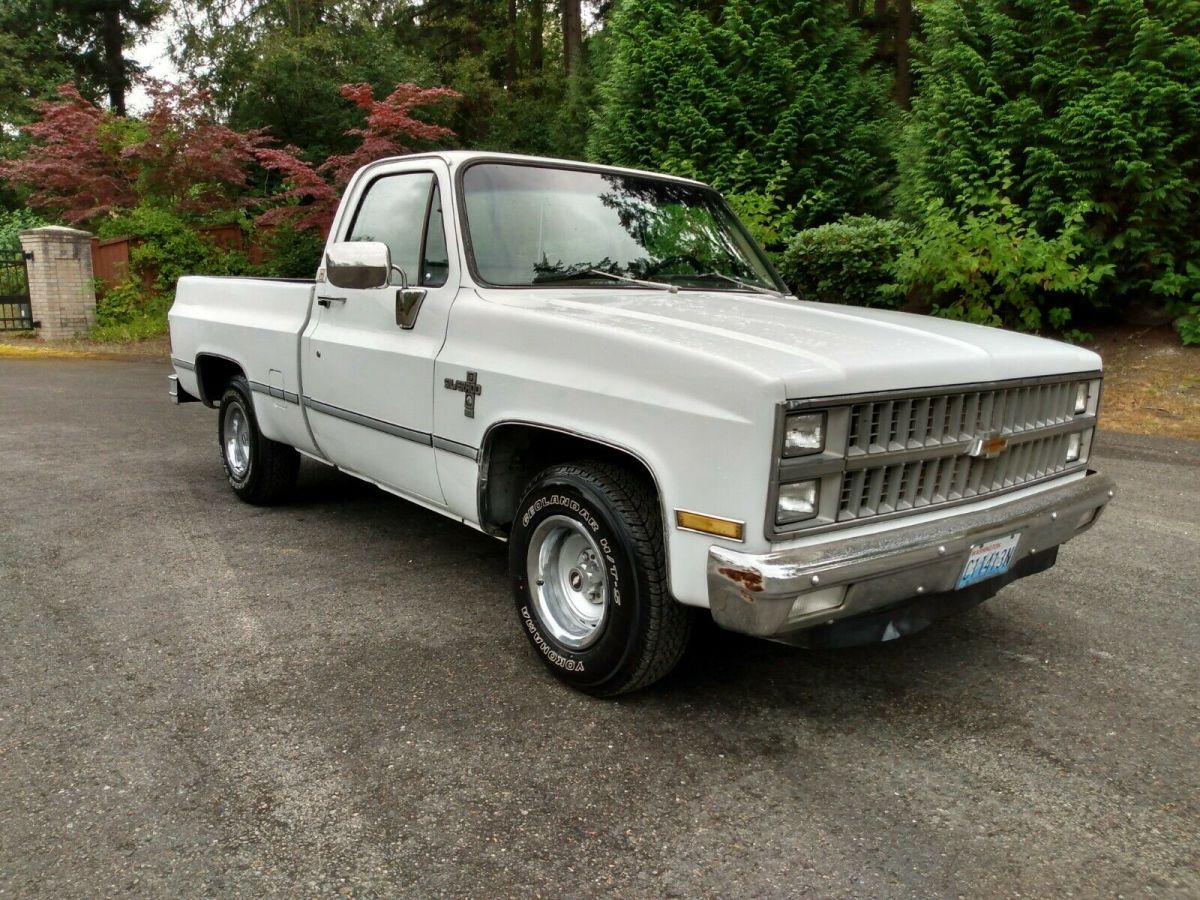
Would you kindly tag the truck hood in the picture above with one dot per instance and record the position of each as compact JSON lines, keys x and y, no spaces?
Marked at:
{"x":815,"y":349}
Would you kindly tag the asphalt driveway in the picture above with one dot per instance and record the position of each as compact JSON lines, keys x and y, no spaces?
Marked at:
{"x":200,"y":697}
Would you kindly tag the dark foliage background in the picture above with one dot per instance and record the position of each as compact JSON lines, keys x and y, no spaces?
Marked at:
{"x":1031,"y":163}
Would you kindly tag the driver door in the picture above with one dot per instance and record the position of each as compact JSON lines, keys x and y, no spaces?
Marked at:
{"x":368,"y":377}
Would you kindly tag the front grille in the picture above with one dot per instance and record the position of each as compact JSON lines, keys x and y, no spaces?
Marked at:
{"x":915,"y":451}
{"x":911,"y":423}
{"x":884,"y":488}
{"x":911,"y":452}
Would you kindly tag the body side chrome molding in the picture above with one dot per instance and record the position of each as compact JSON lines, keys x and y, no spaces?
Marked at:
{"x":278,"y":393}
{"x":466,"y":450}
{"x":400,"y":431}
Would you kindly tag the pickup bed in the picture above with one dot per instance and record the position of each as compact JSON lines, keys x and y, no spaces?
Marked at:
{"x":601,"y":367}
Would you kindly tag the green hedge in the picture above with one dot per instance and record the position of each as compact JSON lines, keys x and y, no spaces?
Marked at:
{"x":848,"y":261}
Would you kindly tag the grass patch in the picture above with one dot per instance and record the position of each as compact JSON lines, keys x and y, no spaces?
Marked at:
{"x":136,"y":328}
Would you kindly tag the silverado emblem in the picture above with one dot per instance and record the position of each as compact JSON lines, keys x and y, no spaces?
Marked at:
{"x":471,"y":387}
{"x":988,"y":446}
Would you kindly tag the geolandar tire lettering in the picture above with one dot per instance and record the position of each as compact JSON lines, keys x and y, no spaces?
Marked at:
{"x":589,"y":581}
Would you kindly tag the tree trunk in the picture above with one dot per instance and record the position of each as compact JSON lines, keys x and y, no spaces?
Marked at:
{"x":510,"y":49}
{"x":904,"y":18}
{"x":572,"y":28}
{"x":114,"y":60}
{"x":537,"y":24}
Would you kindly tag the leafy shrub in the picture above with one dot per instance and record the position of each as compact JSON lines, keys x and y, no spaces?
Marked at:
{"x":770,"y":220}
{"x":130,"y":312}
{"x":848,"y":261}
{"x":167,"y":247}
{"x":993,"y":268}
{"x":291,"y":252}
{"x":13,"y":222}
{"x":1188,"y":324}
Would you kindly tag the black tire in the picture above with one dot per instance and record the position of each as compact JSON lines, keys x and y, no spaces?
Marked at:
{"x":643,"y":631}
{"x":266,"y":472}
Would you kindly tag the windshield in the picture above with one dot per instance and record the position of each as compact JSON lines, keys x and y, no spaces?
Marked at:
{"x":530,"y":225}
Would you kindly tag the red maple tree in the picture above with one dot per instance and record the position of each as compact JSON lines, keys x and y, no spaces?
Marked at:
{"x":185,"y":158}
{"x":74,"y":167}
{"x":83,"y":163}
{"x":389,"y":122}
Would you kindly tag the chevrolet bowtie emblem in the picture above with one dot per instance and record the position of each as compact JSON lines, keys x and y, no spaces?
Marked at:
{"x":988,"y":446}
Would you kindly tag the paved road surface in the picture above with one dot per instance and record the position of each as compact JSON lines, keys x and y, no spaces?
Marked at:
{"x":200,"y":697}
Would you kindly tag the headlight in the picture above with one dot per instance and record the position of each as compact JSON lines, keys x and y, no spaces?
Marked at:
{"x":1081,"y":397}
{"x":1079,"y":445}
{"x":797,"y":502}
{"x":804,"y":434}
{"x":1074,"y":447}
{"x":1087,"y":396}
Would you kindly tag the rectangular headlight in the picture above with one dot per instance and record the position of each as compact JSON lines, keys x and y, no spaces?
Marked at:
{"x":1079,"y":445}
{"x":797,"y":502}
{"x":1074,"y":447}
{"x":1081,"y":397}
{"x":804,"y":433}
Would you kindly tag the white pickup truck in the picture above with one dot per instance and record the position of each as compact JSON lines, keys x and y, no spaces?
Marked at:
{"x":601,"y":367}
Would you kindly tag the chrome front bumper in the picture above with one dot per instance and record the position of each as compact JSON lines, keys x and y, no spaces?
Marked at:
{"x":789,"y":591}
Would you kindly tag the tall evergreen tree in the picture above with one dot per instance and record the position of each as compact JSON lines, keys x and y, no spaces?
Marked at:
{"x":98,"y":33}
{"x":32,"y":62}
{"x":1067,"y":109}
{"x":774,"y":96}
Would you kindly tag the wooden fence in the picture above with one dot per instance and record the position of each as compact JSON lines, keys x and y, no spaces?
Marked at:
{"x":110,"y":258}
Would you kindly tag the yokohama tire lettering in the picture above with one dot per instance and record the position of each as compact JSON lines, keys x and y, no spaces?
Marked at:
{"x":571,"y":665}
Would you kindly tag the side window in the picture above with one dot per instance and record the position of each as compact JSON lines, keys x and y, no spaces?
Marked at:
{"x":436,"y":265}
{"x":393,"y":211}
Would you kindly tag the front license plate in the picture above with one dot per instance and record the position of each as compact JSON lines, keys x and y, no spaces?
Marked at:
{"x":989,"y":559}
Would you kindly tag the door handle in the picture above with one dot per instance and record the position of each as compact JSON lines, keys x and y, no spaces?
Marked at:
{"x":329,"y":301}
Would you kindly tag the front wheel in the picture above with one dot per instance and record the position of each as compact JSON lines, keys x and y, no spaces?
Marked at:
{"x":260,"y":470}
{"x":589,"y":578}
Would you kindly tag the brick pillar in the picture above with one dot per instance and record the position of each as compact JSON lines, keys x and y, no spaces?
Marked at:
{"x":61,"y":292}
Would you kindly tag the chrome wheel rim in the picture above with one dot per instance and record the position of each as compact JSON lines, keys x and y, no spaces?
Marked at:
{"x":568,"y":581}
{"x":235,"y":437}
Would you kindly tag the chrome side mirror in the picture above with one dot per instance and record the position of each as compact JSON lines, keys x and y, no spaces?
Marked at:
{"x":358,"y":264}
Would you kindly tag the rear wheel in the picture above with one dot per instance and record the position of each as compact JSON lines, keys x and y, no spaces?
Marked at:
{"x":260,"y":470}
{"x":589,"y":579}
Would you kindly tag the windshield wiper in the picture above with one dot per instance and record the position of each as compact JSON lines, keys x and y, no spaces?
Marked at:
{"x":592,"y":272}
{"x":657,"y":285}
{"x":742,"y":284}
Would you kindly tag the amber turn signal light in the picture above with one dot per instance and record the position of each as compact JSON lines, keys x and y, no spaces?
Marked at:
{"x":726,"y":528}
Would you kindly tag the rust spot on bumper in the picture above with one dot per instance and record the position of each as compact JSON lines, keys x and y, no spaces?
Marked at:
{"x":747,"y":579}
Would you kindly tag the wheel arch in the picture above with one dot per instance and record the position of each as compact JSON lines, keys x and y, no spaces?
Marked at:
{"x":514,"y":451}
{"x":213,"y":373}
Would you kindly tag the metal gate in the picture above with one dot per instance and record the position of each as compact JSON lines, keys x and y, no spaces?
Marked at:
{"x":15,"y":312}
